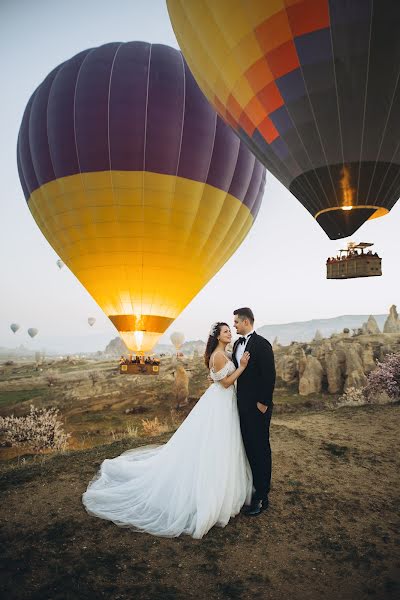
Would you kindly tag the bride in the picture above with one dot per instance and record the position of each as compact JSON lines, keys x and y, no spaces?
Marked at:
{"x":199,"y":478}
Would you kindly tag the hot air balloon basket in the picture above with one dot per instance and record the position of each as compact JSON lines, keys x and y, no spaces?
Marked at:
{"x":350,"y":268}
{"x":138,"y":369}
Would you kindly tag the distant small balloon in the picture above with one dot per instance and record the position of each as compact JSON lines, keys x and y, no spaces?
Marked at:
{"x":91,"y":321}
{"x":177,"y":338}
{"x":32,"y":331}
{"x":60,"y":263}
{"x":14,"y":327}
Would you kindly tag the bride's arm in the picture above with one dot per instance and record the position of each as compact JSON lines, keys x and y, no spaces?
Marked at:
{"x":220,"y":362}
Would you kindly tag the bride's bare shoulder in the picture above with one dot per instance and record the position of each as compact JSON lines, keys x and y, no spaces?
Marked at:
{"x":218,"y":360}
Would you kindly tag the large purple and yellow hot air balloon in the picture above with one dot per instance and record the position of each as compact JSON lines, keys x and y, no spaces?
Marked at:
{"x":312,"y":87}
{"x":138,"y":185}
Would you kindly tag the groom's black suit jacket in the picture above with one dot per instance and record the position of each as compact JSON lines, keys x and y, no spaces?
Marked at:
{"x":257,"y":382}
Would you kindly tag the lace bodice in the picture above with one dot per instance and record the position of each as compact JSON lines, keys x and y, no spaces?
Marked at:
{"x":226,"y":370}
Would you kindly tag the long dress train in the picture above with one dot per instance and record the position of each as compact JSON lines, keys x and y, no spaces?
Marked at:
{"x":199,"y":478}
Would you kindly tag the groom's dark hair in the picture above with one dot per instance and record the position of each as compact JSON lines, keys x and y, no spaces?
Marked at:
{"x":245,"y":313}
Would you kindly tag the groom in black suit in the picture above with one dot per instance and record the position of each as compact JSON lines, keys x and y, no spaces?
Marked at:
{"x":255,"y":388}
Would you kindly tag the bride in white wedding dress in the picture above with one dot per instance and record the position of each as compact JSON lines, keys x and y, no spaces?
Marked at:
{"x":199,"y":478}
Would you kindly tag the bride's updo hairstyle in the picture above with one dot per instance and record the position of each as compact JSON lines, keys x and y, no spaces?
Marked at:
{"x":212,"y":341}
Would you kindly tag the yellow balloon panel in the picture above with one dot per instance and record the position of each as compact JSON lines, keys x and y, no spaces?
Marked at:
{"x":143,"y":244}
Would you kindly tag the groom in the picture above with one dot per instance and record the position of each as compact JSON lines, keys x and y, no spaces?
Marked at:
{"x":255,"y":387}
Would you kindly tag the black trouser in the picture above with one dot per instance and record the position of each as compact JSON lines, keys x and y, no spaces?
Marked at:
{"x":255,"y":433}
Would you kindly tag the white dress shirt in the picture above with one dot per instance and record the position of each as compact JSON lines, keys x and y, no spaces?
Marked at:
{"x":242,"y":347}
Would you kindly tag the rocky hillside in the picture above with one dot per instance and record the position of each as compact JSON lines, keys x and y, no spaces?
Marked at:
{"x":334,"y":364}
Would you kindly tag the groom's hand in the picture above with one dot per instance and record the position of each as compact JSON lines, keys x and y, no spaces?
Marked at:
{"x":262,"y":407}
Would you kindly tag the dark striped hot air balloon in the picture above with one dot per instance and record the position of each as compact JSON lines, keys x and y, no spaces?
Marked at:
{"x":136,"y":183}
{"x":312,"y":87}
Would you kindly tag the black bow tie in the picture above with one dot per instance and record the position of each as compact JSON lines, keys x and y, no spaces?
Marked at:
{"x":244,"y":339}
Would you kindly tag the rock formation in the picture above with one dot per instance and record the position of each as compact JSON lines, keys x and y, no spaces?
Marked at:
{"x":116,"y":347}
{"x":335,"y":371}
{"x":181,"y":386}
{"x":369,"y":355}
{"x":354,"y":368}
{"x":343,"y":360}
{"x":288,"y":362}
{"x":310,"y":381}
{"x":371,"y":326}
{"x":392,"y":323}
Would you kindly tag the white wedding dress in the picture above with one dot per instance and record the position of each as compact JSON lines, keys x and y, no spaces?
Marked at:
{"x":199,"y":478}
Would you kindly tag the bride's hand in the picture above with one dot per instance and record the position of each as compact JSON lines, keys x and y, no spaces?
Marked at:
{"x":245,"y":360}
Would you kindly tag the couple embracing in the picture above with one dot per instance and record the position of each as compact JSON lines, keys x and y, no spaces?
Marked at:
{"x":217,"y":461}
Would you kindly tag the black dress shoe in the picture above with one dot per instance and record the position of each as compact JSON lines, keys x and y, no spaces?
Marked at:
{"x":256,"y":508}
{"x":265,"y":503}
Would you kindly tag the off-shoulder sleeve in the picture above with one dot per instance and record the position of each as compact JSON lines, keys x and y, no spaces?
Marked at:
{"x":218,"y":375}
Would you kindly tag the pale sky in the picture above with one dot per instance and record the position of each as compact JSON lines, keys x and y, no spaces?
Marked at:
{"x":279,"y":270}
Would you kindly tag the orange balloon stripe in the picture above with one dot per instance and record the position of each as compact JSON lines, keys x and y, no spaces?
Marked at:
{"x":276,"y":57}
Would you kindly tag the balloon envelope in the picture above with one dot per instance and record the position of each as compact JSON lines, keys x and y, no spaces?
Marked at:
{"x":14,"y":327}
{"x":91,"y":321}
{"x":177,"y":338}
{"x":312,"y":87}
{"x":138,"y":185}
{"x":60,"y":264}
{"x":33,"y":332}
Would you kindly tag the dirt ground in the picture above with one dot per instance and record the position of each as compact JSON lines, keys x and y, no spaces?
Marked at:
{"x":331,"y":531}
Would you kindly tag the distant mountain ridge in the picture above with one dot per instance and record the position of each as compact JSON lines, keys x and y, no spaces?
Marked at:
{"x":298,"y":331}
{"x":304,"y":331}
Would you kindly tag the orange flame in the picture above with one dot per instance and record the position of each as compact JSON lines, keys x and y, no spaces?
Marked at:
{"x":347,"y":190}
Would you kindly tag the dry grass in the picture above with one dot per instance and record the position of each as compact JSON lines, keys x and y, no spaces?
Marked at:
{"x":153,"y":427}
{"x":131,"y":431}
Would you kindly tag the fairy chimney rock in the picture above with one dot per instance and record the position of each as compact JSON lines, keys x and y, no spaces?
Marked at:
{"x":392,"y":323}
{"x":318,"y":336}
{"x":354,"y":369}
{"x":335,"y":371}
{"x":371,"y":327}
{"x":310,"y":381}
